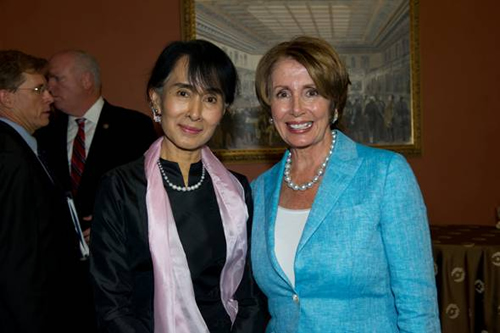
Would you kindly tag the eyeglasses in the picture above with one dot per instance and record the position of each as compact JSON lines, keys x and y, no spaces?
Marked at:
{"x":37,"y":90}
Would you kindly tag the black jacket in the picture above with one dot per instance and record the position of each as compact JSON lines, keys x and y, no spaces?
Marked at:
{"x":37,"y":244}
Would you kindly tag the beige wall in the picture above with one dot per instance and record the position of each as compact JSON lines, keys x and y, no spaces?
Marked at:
{"x":459,"y":170}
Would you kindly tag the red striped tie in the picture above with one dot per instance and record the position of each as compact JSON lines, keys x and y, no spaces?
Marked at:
{"x":78,"y":157}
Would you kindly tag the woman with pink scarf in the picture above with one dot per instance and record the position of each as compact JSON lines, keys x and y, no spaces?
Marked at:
{"x":169,"y":244}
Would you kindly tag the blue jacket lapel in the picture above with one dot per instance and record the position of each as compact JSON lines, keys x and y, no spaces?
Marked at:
{"x":272,"y":193}
{"x":339,"y":173}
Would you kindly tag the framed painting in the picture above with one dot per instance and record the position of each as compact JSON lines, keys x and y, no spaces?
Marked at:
{"x":377,"y":40}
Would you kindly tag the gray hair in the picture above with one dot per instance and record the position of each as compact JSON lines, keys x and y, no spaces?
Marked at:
{"x":87,"y":62}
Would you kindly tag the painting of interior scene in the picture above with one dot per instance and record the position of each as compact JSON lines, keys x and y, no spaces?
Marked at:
{"x":372,"y":37}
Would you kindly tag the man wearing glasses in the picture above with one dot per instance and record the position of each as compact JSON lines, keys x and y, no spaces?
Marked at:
{"x":37,"y":241}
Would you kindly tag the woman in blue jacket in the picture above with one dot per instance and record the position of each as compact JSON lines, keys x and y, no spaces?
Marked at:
{"x":340,"y":235}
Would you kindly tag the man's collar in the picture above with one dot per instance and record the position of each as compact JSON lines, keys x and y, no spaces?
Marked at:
{"x":93,"y":113}
{"x":30,"y":139}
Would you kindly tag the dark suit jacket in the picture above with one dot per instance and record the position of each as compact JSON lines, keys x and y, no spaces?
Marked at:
{"x":37,"y":243}
{"x":121,"y":136}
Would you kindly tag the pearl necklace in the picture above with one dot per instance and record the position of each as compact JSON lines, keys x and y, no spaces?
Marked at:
{"x":183,"y":188}
{"x":288,"y":166}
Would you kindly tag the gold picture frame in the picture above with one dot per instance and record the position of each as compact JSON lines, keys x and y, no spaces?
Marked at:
{"x":388,"y":78}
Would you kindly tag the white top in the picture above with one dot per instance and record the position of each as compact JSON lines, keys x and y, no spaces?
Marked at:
{"x":287,"y":233}
{"x":91,"y":119}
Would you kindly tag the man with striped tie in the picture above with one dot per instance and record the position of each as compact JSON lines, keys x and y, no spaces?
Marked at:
{"x":87,"y":135}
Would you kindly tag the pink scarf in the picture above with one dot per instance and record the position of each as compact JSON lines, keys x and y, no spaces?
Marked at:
{"x":175,"y":309}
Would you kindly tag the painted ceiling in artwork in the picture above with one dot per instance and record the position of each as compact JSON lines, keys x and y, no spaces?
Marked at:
{"x":254,"y":25}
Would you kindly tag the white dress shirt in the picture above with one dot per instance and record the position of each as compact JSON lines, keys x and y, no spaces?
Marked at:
{"x":91,"y":119}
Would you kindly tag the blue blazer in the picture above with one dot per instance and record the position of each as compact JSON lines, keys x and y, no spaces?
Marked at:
{"x":364,"y":261}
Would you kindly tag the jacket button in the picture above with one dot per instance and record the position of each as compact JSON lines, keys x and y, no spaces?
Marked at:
{"x":295,"y":298}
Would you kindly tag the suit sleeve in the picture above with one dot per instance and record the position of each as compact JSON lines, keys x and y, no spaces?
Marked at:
{"x":109,"y":268}
{"x":36,"y":248}
{"x":406,"y":237}
{"x":22,"y":297}
{"x":252,"y":304}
